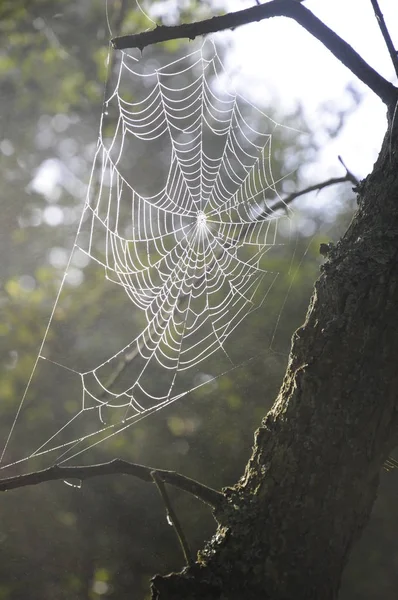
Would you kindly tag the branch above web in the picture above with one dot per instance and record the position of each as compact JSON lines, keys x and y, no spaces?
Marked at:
{"x":204,"y":493}
{"x":386,"y":34}
{"x":292,"y":9}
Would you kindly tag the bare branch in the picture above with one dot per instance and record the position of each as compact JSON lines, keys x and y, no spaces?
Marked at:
{"x":172,"y":515}
{"x":275,"y":8}
{"x":204,"y":493}
{"x":313,"y":188}
{"x":386,"y":34}
{"x":350,"y":176}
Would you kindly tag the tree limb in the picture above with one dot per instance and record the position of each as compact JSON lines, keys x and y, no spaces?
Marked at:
{"x":387,"y":92}
{"x":309,"y":488}
{"x":204,"y":493}
{"x":386,"y":34}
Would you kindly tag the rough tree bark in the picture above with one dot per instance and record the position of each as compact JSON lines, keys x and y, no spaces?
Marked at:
{"x":288,"y":526}
{"x":286,"y":529}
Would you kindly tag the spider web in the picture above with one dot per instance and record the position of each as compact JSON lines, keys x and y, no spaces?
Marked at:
{"x":187,"y":251}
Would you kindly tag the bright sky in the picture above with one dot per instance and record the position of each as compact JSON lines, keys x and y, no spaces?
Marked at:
{"x":278,"y":60}
{"x":283,"y":58}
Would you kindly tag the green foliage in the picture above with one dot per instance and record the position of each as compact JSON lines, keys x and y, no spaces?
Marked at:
{"x":109,"y":537}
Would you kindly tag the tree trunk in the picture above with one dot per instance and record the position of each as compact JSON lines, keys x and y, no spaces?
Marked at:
{"x":286,"y":529}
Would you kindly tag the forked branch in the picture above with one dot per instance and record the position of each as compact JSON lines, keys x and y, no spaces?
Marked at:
{"x":275,"y":8}
{"x":204,"y":493}
{"x":386,"y":34}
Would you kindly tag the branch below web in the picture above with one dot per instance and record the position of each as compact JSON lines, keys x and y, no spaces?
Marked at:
{"x":204,"y":493}
{"x":275,"y":8}
{"x":115,"y":467}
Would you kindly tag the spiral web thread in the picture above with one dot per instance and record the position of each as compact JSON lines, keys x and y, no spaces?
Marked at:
{"x":189,"y":256}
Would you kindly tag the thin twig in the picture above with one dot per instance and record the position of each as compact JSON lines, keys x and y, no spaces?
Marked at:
{"x":275,"y":8}
{"x":172,"y":517}
{"x":312,"y":188}
{"x":350,"y":176}
{"x":386,"y":34}
{"x":204,"y":493}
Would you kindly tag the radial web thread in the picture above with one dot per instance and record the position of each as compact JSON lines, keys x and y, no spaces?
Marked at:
{"x":189,"y":254}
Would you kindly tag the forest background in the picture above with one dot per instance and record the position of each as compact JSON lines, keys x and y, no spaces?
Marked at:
{"x":110,"y":536}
